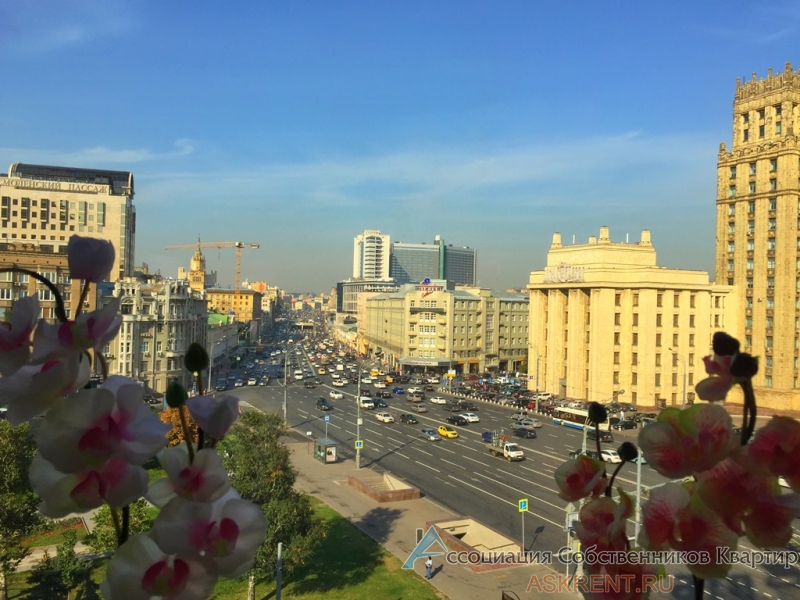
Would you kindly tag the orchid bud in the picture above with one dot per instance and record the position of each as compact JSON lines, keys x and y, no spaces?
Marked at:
{"x":724,"y":344}
{"x":176,"y":394}
{"x":90,"y":259}
{"x":745,"y":365}
{"x":196,"y":358}
{"x":628,"y":451}
{"x":597,"y":413}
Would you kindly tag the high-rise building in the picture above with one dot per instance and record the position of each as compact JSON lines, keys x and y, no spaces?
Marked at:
{"x":758,"y":229}
{"x":413,"y":263}
{"x":45,"y":206}
{"x":371,"y":255}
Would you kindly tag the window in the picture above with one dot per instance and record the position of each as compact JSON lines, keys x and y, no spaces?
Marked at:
{"x":773,"y":203}
{"x":773,"y":185}
{"x":634,"y":379}
{"x":616,"y":358}
{"x":732,"y":227}
{"x":768,"y":381}
{"x":658,"y":360}
{"x":778,"y":128}
{"x":751,"y":226}
{"x":635,"y":339}
{"x":658,"y":379}
{"x":772,"y":223}
{"x":676,"y":300}
{"x":761,"y":131}
{"x":748,"y":303}
{"x":751,"y":187}
{"x":731,"y":191}
{"x":730,"y":266}
{"x":751,"y":245}
{"x":773,"y":164}
{"x":634,"y":358}
{"x":769,"y":322}
{"x":636,"y":299}
{"x":660,"y":300}
{"x":692,"y":300}
{"x":618,"y":300}
{"x":617,"y":318}
{"x":733,"y":172}
{"x":658,"y":320}
{"x":731,"y":210}
{"x":674,"y":339}
{"x":750,"y":282}
{"x":658,"y":340}
{"x":752,"y":168}
{"x":745,"y":135}
{"x":635,"y":319}
{"x":761,"y":113}
{"x":749,"y":264}
{"x":751,"y":207}
{"x":778,"y":110}
{"x":674,"y":379}
{"x":745,"y":118}
{"x":771,"y":243}
{"x":691,"y":320}
{"x":732,"y":248}
{"x":616,"y":339}
{"x":771,"y":262}
{"x":768,"y":341}
{"x":691,"y":340}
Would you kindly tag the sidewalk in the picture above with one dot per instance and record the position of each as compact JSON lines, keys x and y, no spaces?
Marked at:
{"x":329,"y":483}
{"x":35,"y":557}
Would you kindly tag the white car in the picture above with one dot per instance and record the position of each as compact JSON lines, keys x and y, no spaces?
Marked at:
{"x":366,"y":403}
{"x":380,"y":385}
{"x":470,"y":417}
{"x":336,"y":395}
{"x":519,"y":415}
{"x":414,"y":390}
{"x":433,"y":380}
{"x":366,"y":380}
{"x":252,"y":381}
{"x":338,"y":382}
{"x":437,"y":400}
{"x":610,"y":456}
{"x":385,"y":417}
{"x":531,"y":423}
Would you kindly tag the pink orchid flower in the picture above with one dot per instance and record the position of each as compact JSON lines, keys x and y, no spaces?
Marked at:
{"x":115,"y":483}
{"x":228,"y":531}
{"x":90,"y":259}
{"x":682,"y":442}
{"x":776,"y":448}
{"x":716,"y":387}
{"x":214,"y":415}
{"x":204,"y":480}
{"x":34,"y":389}
{"x":602,"y":523}
{"x":625,"y":581}
{"x":90,"y":331}
{"x":139,"y":570}
{"x":580,"y":478}
{"x":15,"y":335}
{"x":86,"y":429}
{"x":674,"y":518}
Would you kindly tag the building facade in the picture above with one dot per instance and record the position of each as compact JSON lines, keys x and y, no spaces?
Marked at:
{"x":224,"y":302}
{"x":413,"y":263}
{"x":348,"y":292}
{"x":371,"y":255}
{"x":159,"y":322}
{"x":758,"y":230}
{"x":606,"y":321}
{"x":196,"y":275}
{"x":45,"y":206}
{"x":436,"y":328}
{"x":51,"y":265}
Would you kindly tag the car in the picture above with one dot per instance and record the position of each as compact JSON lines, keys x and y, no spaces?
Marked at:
{"x":590,"y":453}
{"x":519,"y":415}
{"x":605,"y":436}
{"x":531,"y":423}
{"x":520,"y":425}
{"x":385,"y":417}
{"x":239,"y":383}
{"x":429,"y":388}
{"x":625,"y":424}
{"x":525,"y":433}
{"x":640,"y":459}
{"x":317,"y":381}
{"x":322,"y":404}
{"x":438,"y":400}
{"x":221,"y":385}
{"x":420,"y":408}
{"x":452,"y":407}
{"x":487,"y":436}
{"x":366,"y":393}
{"x":263,"y":381}
{"x":430,"y":434}
{"x":336,"y":395}
{"x":457,"y":420}
{"x":379,"y":385}
{"x":366,"y":403}
{"x":398,"y":390}
{"x":367,"y":380}
{"x":470,"y":417}
{"x":321,"y":372}
{"x":386,"y":395}
{"x":410,"y":419}
{"x":415,"y":397}
{"x":339,"y":383}
{"x":379,"y":402}
{"x":447,"y":431}
{"x":252,"y":381}
{"x":433,"y":380}
{"x":232,"y":377}
{"x":639,"y":417}
{"x":414,"y":390}
{"x":309,"y":385}
{"x":468,"y":406}
{"x":610,"y":456}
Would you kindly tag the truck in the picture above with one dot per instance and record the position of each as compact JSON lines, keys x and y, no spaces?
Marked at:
{"x":498,"y":445}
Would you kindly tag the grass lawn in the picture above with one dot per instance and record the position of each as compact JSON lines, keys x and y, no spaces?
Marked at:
{"x":54,"y":535}
{"x":348,"y":565}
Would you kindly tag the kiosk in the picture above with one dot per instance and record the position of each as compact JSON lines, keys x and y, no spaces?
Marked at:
{"x":325,"y":450}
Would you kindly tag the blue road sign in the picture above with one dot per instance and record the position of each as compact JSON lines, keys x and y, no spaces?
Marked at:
{"x":327,"y":418}
{"x":523,"y":505}
{"x":359,"y":444}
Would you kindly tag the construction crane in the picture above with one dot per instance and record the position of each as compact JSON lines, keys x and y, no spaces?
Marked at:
{"x":237,"y":245}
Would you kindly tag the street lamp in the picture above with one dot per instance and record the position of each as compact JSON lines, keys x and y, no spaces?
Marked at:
{"x":681,"y":360}
{"x":536,"y":349}
{"x":358,"y":411}
{"x":285,"y":362}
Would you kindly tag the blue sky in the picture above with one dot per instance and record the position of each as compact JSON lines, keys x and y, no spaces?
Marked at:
{"x":297,"y":125}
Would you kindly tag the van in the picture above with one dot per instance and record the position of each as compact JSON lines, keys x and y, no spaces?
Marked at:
{"x":605,"y":436}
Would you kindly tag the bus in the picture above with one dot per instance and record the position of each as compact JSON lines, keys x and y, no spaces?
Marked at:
{"x":577,"y":418}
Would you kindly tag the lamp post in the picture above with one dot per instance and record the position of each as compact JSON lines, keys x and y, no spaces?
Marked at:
{"x":536,"y":349}
{"x":683,"y":361}
{"x":358,"y":411}
{"x":285,"y":362}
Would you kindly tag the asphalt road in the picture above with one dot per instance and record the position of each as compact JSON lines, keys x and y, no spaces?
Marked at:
{"x":461,"y":475}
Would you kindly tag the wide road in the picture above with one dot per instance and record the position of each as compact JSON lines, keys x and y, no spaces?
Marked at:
{"x":461,"y":475}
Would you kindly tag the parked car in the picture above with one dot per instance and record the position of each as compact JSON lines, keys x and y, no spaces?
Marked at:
{"x":336,"y":395}
{"x":525,"y":433}
{"x":610,"y":456}
{"x":438,"y":400}
{"x":430,"y":434}
{"x":639,"y":417}
{"x":385,"y":417}
{"x":457,"y":420}
{"x":470,"y":417}
{"x":322,"y":404}
{"x":447,"y":431}
{"x":410,"y":419}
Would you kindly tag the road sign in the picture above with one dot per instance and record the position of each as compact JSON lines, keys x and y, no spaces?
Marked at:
{"x":327,"y":418}
{"x":359,"y":444}
{"x":523,"y":505}
{"x":571,"y":518}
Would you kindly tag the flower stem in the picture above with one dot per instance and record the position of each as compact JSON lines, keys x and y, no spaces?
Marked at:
{"x":117,"y":525}
{"x":126,"y":524}
{"x":187,"y":434}
{"x":61,"y":312}
{"x":699,"y":584}
{"x":200,"y":390}
{"x":84,"y":293}
{"x":613,"y":476}
{"x":201,"y":435}
{"x":750,"y":410}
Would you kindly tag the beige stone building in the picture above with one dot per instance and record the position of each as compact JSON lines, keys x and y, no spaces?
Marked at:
{"x":159,"y":321}
{"x":47,"y":263}
{"x":224,"y":301}
{"x":45,"y":206}
{"x":197,"y":276}
{"x":605,"y":318}
{"x":758,"y":230}
{"x":428,"y":326}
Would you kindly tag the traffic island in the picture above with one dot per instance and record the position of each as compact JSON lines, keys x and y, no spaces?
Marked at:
{"x":384,"y":488}
{"x":478,"y":546}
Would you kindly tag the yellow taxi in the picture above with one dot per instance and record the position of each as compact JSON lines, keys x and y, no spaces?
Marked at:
{"x":388,"y":379}
{"x":447,"y":431}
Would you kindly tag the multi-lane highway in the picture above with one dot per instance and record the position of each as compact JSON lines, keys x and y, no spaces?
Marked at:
{"x":461,"y":475}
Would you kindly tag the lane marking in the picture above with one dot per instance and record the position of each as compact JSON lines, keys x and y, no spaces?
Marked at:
{"x":427,"y":466}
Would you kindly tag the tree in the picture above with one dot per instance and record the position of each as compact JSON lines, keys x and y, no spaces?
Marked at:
{"x":19,"y":515}
{"x":171,"y":416}
{"x":103,"y":537}
{"x":261,"y":471}
{"x":75,"y":572}
{"x":44,"y":582}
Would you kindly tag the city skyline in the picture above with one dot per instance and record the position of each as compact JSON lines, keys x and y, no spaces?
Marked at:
{"x":296,"y":127}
